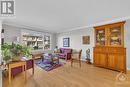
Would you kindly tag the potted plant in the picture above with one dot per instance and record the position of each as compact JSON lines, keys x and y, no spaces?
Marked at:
{"x":26,"y":51}
{"x":16,"y":51}
{"x":6,"y":53}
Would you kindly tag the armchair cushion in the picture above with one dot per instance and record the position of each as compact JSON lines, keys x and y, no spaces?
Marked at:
{"x":65,"y":53}
{"x":62,"y":55}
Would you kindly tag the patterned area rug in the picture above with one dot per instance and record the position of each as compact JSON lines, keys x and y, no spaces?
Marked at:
{"x":47,"y":65}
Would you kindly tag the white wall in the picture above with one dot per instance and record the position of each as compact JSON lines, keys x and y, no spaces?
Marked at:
{"x":76,"y":40}
{"x":10,"y":33}
{"x":127,"y":42}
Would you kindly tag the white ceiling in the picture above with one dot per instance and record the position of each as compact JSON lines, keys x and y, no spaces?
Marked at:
{"x":65,"y":15}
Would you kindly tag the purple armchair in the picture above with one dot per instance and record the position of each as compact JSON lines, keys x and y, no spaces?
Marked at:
{"x":65,"y":53}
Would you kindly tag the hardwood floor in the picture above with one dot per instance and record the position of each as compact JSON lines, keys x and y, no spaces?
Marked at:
{"x":67,"y":76}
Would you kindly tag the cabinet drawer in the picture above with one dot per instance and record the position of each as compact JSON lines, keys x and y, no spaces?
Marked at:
{"x":100,"y":49}
{"x":116,"y":50}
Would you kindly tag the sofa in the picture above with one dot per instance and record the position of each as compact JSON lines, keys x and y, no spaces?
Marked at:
{"x":65,"y":53}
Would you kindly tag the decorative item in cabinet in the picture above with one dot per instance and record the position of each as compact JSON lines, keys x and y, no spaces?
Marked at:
{"x":100,"y":37}
{"x":115,"y":36}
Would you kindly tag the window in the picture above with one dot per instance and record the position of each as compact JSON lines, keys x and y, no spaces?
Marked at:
{"x":47,"y":42}
{"x":35,"y":42}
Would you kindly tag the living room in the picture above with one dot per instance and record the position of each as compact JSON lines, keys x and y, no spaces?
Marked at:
{"x":66,"y":44}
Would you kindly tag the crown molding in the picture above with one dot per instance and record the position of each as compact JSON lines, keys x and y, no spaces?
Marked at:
{"x":28,"y":27}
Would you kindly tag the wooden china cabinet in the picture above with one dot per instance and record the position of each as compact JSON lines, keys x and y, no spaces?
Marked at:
{"x":109,"y":51}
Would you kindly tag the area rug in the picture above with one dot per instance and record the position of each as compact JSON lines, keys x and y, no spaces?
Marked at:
{"x":47,"y":65}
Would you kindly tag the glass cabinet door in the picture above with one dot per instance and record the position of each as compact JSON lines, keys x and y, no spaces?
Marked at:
{"x":115,"y":36}
{"x":100,"y":37}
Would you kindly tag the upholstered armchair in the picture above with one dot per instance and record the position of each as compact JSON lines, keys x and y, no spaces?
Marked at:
{"x":65,"y":53}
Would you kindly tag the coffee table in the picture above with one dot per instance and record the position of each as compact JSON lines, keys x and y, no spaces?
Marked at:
{"x":52,"y":57}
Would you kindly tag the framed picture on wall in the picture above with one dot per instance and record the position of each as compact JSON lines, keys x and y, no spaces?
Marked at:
{"x":66,"y":42}
{"x":86,"y":39}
